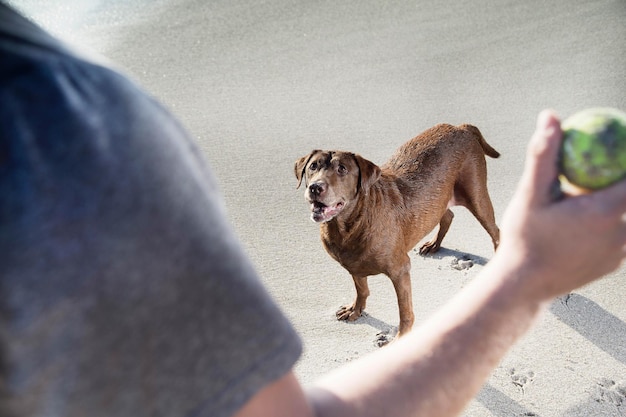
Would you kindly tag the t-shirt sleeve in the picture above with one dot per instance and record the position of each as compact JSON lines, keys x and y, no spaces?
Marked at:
{"x":123,"y":289}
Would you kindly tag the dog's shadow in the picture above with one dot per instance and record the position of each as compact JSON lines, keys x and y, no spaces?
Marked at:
{"x":373,"y":322}
{"x":456,"y":256}
{"x":385,"y":331}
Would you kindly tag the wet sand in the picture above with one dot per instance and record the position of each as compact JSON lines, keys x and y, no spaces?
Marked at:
{"x":259,"y":84}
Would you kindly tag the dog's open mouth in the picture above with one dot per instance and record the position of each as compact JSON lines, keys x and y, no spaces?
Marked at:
{"x":320,"y":212}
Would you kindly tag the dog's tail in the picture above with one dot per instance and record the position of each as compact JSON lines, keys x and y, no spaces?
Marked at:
{"x":489,"y":151}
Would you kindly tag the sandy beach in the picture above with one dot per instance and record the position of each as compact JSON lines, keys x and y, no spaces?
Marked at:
{"x":260,"y":84}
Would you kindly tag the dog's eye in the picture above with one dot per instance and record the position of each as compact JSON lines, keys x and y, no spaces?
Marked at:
{"x":313,"y":166}
{"x":342,"y":170}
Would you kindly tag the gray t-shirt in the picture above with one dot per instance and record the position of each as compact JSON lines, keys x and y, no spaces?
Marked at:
{"x":123,"y":291}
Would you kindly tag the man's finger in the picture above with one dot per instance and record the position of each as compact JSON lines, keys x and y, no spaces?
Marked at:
{"x":613,"y":199}
{"x":541,"y":168}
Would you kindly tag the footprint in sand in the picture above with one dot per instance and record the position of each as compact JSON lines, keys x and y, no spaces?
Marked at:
{"x":462,"y":263}
{"x":521,"y":378}
{"x":385,"y":337}
{"x":608,"y":391}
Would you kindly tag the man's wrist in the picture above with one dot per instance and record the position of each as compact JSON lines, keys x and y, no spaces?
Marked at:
{"x":524,"y":275}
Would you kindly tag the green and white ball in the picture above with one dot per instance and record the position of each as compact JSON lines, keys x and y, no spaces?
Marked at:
{"x":593,"y":152}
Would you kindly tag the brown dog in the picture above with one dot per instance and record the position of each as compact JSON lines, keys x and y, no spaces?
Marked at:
{"x":371,"y":216}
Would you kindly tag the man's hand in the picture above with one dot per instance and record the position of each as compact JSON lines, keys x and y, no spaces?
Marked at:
{"x":566,"y":242}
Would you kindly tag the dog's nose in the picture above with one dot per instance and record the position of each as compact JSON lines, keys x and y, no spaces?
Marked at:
{"x":317,"y":188}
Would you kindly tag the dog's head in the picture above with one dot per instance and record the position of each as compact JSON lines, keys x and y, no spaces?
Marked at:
{"x":333,"y":179}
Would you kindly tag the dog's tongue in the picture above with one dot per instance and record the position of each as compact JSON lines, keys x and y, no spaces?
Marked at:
{"x":323,"y":213}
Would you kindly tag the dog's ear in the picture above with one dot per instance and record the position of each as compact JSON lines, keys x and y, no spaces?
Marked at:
{"x":300,"y":166}
{"x":369,"y":173}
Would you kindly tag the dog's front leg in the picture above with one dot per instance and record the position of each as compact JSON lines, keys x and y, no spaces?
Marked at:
{"x":351,"y":312}
{"x":402,"y":284}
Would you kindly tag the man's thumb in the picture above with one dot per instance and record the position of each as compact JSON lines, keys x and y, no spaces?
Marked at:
{"x":541,"y":169}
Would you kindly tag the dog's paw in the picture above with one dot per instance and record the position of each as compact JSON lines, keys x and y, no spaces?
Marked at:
{"x":429,"y":248}
{"x":348,"y":313}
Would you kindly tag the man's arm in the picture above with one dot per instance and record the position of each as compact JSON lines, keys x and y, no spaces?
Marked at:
{"x":547,"y":248}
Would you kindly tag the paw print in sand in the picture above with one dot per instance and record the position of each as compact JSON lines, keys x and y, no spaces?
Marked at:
{"x":462,"y":263}
{"x":609,"y":391}
{"x":521,"y":378}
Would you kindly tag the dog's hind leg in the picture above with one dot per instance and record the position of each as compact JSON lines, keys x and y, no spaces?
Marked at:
{"x":444,"y":224}
{"x":351,"y":312}
{"x":479,"y":204}
{"x":485,"y":216}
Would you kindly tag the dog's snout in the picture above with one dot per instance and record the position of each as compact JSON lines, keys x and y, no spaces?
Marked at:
{"x":317,"y":188}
